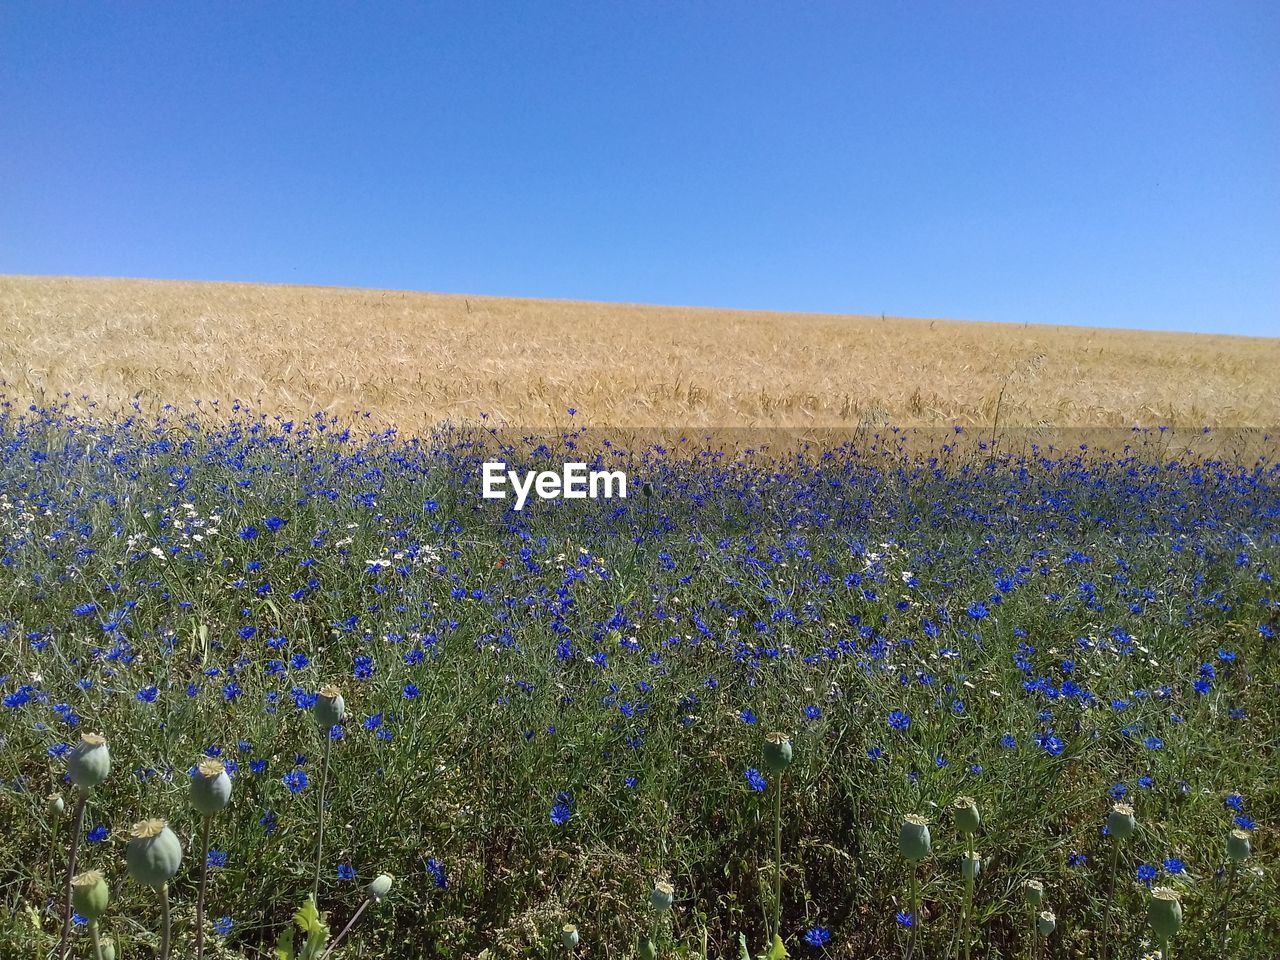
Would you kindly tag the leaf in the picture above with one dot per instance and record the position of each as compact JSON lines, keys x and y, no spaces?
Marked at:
{"x":742,"y":944}
{"x":284,"y":946}
{"x":308,"y":918}
{"x":777,"y":951}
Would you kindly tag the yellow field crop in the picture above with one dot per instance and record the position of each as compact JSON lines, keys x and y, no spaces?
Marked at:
{"x":414,"y":359}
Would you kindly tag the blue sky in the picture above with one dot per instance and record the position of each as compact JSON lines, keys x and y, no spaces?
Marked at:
{"x":1099,"y":163}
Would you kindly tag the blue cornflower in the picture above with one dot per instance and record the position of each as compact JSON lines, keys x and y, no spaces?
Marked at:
{"x":817,"y":936}
{"x":1146,"y":873}
{"x":436,"y":869}
{"x":563,"y":809}
{"x":97,"y":834}
{"x":1172,"y":865}
{"x":756,"y":779}
{"x":346,"y":872}
{"x":812,"y":712}
{"x":899,"y":720}
{"x":295,"y":780}
{"x":904,"y":918}
{"x":217,"y":859}
{"x":222,"y":926}
{"x":84,"y":609}
{"x":746,"y":715}
{"x":411,"y":691}
{"x":147,"y":695}
{"x":248,"y":533}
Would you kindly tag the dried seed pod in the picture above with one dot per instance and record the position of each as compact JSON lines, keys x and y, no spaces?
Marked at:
{"x":330,"y":707}
{"x":1164,"y":913}
{"x":1120,"y":822}
{"x":662,"y":897}
{"x":379,"y":886}
{"x":1033,"y":892}
{"x":55,"y":806}
{"x":569,"y":936}
{"x":777,"y":752}
{"x":89,"y":762}
{"x":89,"y":894}
{"x":210,"y":787}
{"x":645,"y":948}
{"x":153,"y":854}
{"x":966,"y":813}
{"x":1238,"y":847}
{"x":1046,"y":922}
{"x":970,"y":865}
{"x":914,"y":841}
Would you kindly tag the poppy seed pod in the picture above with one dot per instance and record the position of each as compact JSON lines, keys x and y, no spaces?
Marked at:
{"x":1033,"y":892}
{"x":89,"y":763}
{"x":108,"y":950}
{"x":330,"y":707}
{"x":1238,"y":848}
{"x":966,"y":813}
{"x":645,"y":948}
{"x":89,"y":894}
{"x":777,"y":752}
{"x":970,"y":865}
{"x":1046,"y":922}
{"x":662,"y":896}
{"x":914,"y":841}
{"x":153,"y":854}
{"x":379,"y":886}
{"x":569,"y":936}
{"x":210,"y":787}
{"x":56,"y":806}
{"x":1164,"y":913}
{"x":1120,"y":822}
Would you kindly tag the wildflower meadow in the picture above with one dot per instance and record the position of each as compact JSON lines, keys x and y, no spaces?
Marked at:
{"x":293,"y":689}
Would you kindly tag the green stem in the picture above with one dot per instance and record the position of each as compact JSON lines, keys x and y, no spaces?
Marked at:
{"x":1111,"y":895}
{"x":166,"y":922}
{"x":71,"y":870}
{"x":1226,"y":905}
{"x":324,"y":783}
{"x":204,"y":884}
{"x":777,"y":860}
{"x":965,"y":914}
{"x":97,"y":939}
{"x":53,"y":854}
{"x":915,"y":912}
{"x":1031,"y":931}
{"x":350,"y":923}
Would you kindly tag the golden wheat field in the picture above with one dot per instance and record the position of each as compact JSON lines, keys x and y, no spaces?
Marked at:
{"x":415,"y":359}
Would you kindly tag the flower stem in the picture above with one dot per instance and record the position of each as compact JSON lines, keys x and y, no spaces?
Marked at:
{"x":166,"y":922}
{"x":97,"y":939}
{"x":1226,"y":905}
{"x":350,"y":923}
{"x":53,"y":853}
{"x":71,"y":870}
{"x":204,"y":884}
{"x":1111,"y":895}
{"x":915,"y":911}
{"x":965,"y":916}
{"x":324,"y":783}
{"x":777,"y":859}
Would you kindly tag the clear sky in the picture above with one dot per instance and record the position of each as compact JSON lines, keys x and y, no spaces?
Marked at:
{"x":1112,"y":164}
